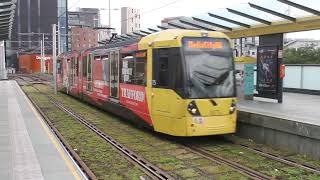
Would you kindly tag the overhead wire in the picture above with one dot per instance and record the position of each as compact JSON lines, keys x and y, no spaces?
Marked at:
{"x":154,"y":9}
{"x":74,"y":5}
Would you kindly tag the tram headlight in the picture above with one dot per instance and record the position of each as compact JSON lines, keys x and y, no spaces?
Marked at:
{"x":233,"y":107}
{"x":193,"y":109}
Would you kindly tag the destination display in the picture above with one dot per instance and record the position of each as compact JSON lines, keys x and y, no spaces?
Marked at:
{"x":203,"y":43}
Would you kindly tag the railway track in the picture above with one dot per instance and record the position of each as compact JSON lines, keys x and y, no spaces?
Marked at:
{"x":252,"y":174}
{"x":84,"y":168}
{"x":279,"y":158}
{"x":151,"y":170}
{"x":156,"y":173}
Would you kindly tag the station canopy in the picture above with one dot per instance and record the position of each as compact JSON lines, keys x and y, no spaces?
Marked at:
{"x":7,"y":11}
{"x":256,"y":18}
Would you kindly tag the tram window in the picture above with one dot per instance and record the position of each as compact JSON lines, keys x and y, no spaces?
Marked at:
{"x":140,"y":77}
{"x":89,"y":64}
{"x":59,"y":67}
{"x":105,"y":68}
{"x":84,"y":66}
{"x":167,"y":69}
{"x":161,"y":68}
{"x":127,"y":66}
{"x":77,"y":66}
{"x":133,"y":69}
{"x":163,"y":72}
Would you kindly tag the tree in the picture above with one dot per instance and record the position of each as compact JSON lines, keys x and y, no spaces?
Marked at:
{"x":305,"y":55}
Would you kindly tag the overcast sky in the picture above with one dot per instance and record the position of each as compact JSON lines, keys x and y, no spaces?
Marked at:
{"x":153,"y":11}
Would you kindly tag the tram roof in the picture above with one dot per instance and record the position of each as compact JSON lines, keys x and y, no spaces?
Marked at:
{"x":7,"y":11}
{"x":258,"y":17}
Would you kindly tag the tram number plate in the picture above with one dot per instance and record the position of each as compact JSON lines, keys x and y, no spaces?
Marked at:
{"x":198,"y":120}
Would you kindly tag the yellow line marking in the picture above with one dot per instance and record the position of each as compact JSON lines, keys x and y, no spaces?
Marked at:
{"x":53,"y":139}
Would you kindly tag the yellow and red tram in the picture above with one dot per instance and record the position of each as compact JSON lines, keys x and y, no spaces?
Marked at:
{"x":177,"y":82}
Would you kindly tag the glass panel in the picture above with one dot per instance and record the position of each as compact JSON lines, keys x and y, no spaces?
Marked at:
{"x":282,"y":8}
{"x":270,"y":4}
{"x":105,"y":68}
{"x":314,"y":4}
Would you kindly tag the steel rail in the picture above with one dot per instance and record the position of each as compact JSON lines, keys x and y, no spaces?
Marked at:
{"x":147,"y":167}
{"x":151,"y":170}
{"x":278,"y":158}
{"x":247,"y":171}
{"x":253,"y":174}
{"x":84,"y":168}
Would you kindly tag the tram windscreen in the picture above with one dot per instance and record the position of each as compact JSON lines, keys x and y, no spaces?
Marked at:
{"x":209,"y":68}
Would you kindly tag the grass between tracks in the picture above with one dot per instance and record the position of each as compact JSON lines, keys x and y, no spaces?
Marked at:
{"x":174,"y":158}
{"x":99,"y":156}
{"x":257,"y":162}
{"x":167,"y":155}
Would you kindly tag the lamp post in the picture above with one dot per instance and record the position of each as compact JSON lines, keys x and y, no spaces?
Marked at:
{"x":54,"y":56}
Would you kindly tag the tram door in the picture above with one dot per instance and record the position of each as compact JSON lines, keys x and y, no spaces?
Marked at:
{"x":114,"y":74}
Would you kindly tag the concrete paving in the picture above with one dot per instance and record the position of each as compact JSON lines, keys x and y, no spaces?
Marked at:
{"x":28,"y":149}
{"x":295,"y":107}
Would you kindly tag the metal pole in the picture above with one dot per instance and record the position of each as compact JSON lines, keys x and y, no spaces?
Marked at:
{"x":59,"y":39}
{"x":109,"y":14}
{"x":43,"y":54}
{"x":54,"y":56}
{"x":41,"y":57}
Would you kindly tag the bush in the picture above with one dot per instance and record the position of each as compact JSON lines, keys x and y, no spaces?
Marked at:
{"x":305,"y":55}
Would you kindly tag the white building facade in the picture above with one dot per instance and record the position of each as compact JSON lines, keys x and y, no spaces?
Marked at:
{"x":130,"y":20}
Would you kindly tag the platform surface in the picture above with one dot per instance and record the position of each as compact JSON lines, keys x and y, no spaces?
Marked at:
{"x":296,"y":107}
{"x":28,"y":149}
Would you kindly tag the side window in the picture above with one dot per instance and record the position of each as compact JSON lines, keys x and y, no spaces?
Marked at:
{"x":59,"y":66}
{"x":134,"y":67}
{"x":161,"y":68}
{"x":105,"y":68}
{"x":71,"y":73}
{"x":89,"y":73}
{"x":140,"y":67}
{"x":127,"y":68}
{"x":163,"y":72}
{"x":77,"y":67}
{"x":84,"y":66}
{"x":167,"y":69}
{"x":89,"y":70}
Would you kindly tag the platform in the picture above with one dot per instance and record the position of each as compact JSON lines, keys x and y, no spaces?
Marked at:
{"x":296,"y":107}
{"x":292,"y":125}
{"x":28,"y":149}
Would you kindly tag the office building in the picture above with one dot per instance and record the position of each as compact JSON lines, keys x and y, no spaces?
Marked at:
{"x":130,"y":20}
{"x":84,"y":17}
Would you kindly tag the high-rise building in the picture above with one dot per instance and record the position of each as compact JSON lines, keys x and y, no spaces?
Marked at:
{"x":31,"y":18}
{"x":130,"y":20}
{"x":85,"y":17}
{"x":63,"y":24}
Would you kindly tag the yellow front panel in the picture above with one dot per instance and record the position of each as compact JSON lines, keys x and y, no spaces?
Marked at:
{"x":170,"y":115}
{"x":211,"y":125}
{"x":168,"y":112}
